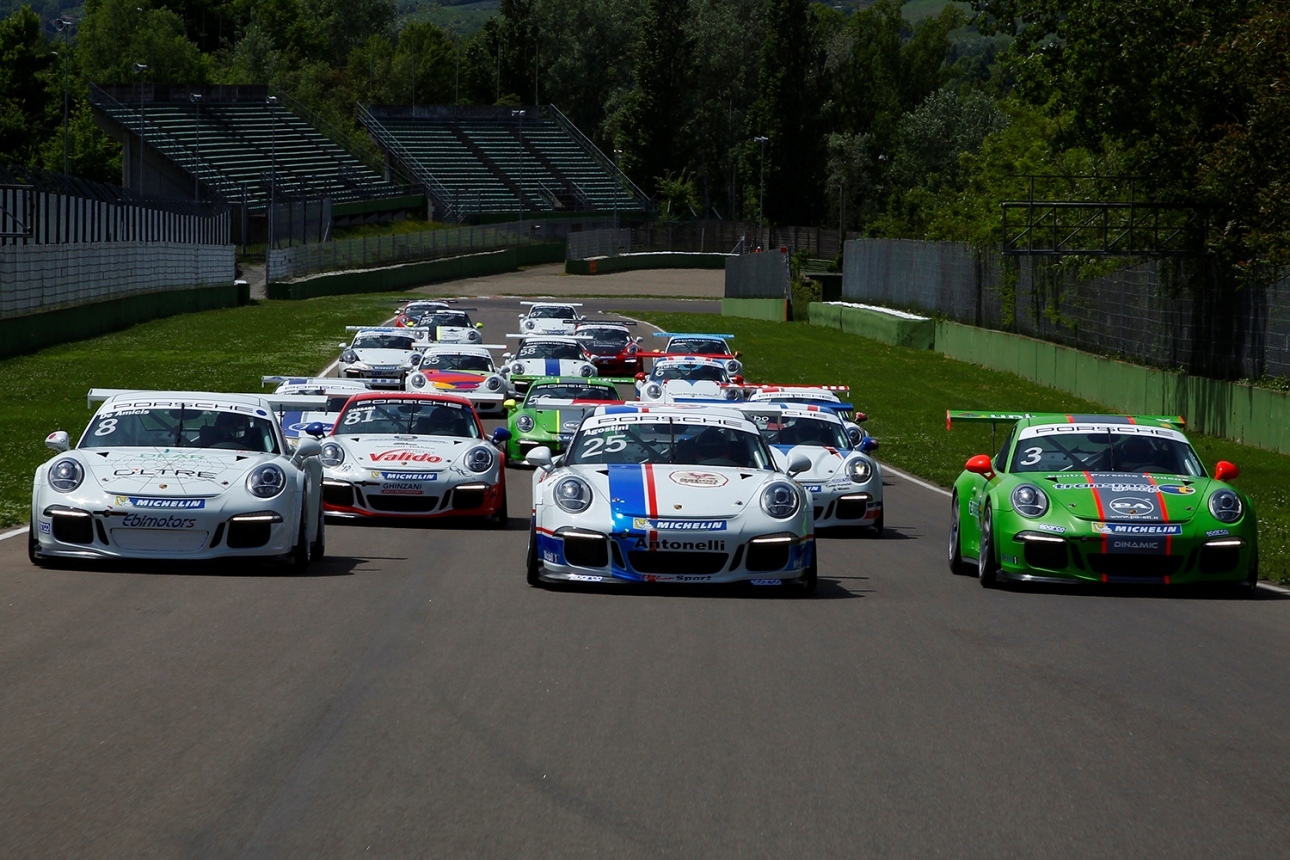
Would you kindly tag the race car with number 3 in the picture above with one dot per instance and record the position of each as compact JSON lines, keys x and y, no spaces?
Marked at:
{"x":670,"y":494}
{"x":1099,"y":498}
{"x":416,"y":456}
{"x":186,"y":475}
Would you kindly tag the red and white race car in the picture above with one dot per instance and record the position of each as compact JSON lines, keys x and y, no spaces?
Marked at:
{"x":612,"y":347}
{"x":419,"y":456}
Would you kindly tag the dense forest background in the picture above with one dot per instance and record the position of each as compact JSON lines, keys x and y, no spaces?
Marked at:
{"x":906,"y":120}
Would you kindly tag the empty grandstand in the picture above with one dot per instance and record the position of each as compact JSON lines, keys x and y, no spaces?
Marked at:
{"x":481,"y":161}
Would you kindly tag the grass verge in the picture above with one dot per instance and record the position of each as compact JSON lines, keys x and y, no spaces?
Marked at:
{"x":906,"y":392}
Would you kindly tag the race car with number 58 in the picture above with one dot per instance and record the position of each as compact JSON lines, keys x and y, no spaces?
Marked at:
{"x":1099,"y":498}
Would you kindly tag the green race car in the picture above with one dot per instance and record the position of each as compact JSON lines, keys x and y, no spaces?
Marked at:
{"x":551,"y":411}
{"x":1099,"y":498}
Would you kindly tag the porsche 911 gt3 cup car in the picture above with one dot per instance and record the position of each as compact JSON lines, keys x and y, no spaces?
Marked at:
{"x":825,"y":396}
{"x":466,"y":370}
{"x":334,"y":389}
{"x":1099,"y":498}
{"x":384,"y":354}
{"x":613,"y":349}
{"x":845,"y":483}
{"x":684,"y":378}
{"x":670,"y":494}
{"x":179,"y":475}
{"x":409,"y":313}
{"x":552,"y":409}
{"x":450,"y":325}
{"x":546,"y":355}
{"x":550,"y":318}
{"x":413,"y":456}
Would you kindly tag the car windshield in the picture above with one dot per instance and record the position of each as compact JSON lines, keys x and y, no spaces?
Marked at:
{"x":458,"y":319}
{"x":380,"y":340}
{"x":570,"y":391}
{"x":456,"y":361}
{"x":606,"y":336}
{"x":670,"y":442}
{"x":552,"y":312}
{"x":182,"y":427}
{"x":417,"y":309}
{"x":779,"y":429}
{"x":689,"y":372}
{"x":698,"y":346}
{"x":549,"y":349}
{"x":1105,"y":451}
{"x":416,"y":417}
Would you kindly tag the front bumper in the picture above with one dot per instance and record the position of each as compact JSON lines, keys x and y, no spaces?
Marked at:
{"x":419,"y":500}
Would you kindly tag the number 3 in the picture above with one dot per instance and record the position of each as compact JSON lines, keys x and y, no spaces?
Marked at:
{"x":1032,"y":456}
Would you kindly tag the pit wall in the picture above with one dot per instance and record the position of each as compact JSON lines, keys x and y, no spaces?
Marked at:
{"x":395,"y":278}
{"x":649,"y":260}
{"x":1242,"y":413}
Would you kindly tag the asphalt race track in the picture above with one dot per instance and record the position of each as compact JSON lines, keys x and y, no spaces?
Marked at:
{"x":413,"y":697}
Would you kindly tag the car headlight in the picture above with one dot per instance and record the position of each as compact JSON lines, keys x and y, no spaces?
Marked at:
{"x":572,"y":494}
{"x":415,"y":359}
{"x":859,"y":470}
{"x":731,"y":394}
{"x":524,"y":423}
{"x":473,"y":335}
{"x":780,"y":500}
{"x":653,"y":391}
{"x":1225,"y":505}
{"x":529,"y":325}
{"x":417,"y":380}
{"x":266,"y":481}
{"x":66,"y":475}
{"x":517,"y":368}
{"x":332,"y":454}
{"x":479,"y":459}
{"x":631,"y":349}
{"x":733,"y":366}
{"x":587,"y":370}
{"x":1029,"y":501}
{"x":348,"y":357}
{"x":493,"y":383}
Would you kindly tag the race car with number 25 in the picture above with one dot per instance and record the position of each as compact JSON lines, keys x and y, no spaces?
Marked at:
{"x":1099,"y":499}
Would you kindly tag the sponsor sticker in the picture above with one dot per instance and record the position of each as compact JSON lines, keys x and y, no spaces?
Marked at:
{"x":644,"y":524}
{"x":677,"y":577}
{"x":402,"y":488}
{"x":699,"y":479}
{"x":171,"y":504}
{"x":151,"y":521}
{"x":405,"y":456}
{"x":1133,"y":529}
{"x":766,"y":581}
{"x":45,"y":527}
{"x":1049,"y":527}
{"x":1132,"y":507}
{"x":1217,"y":532}
{"x":406,"y":476}
{"x":712,"y":545}
{"x":1176,"y":489}
{"x":814,"y":488}
{"x":585,"y":577}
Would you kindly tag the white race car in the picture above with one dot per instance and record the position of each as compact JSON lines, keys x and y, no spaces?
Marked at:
{"x":682,"y":378}
{"x":416,"y":456}
{"x":845,"y":483}
{"x":670,"y":494}
{"x":179,"y":475}
{"x":466,"y":370}
{"x":333,"y":389}
{"x":450,"y":325}
{"x":698,"y":343}
{"x":546,"y":355}
{"x":385,"y":355}
{"x":550,"y":318}
{"x":407,"y":314}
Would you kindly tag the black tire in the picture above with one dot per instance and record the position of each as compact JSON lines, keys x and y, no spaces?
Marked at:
{"x":499,"y":519}
{"x":533,"y":570}
{"x":987,"y":569}
{"x":958,"y":566}
{"x":318,"y":548}
{"x":810,"y":579}
{"x":300,"y":552}
{"x":875,"y":531}
{"x":33,"y":546}
{"x":1250,"y":588}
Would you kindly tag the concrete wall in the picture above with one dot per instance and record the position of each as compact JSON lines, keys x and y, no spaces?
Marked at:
{"x":647,"y":260}
{"x":876,"y":325}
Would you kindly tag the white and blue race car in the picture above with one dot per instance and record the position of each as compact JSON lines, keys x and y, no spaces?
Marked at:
{"x":188,"y":475}
{"x":844,"y":481}
{"x":684,"y":378}
{"x":383,"y":354}
{"x":670,"y":494}
{"x":546,"y":355}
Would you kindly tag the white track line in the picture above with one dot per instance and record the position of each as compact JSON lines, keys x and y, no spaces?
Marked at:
{"x":920,"y":482}
{"x":14,"y":533}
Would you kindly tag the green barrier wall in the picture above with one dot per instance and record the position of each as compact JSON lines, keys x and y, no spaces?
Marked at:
{"x":27,"y":334}
{"x":634,"y":262}
{"x":394,"y":278}
{"x":875,"y":325}
{"x":757,"y":309}
{"x":1253,"y":416}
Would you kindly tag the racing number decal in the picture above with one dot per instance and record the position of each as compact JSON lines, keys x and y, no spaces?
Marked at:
{"x":611,"y":444}
{"x":1032,"y":456}
{"x":106,"y":427}
{"x":359,"y":415}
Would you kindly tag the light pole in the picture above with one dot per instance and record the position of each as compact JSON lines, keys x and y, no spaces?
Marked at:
{"x":64,"y":26}
{"x":519,"y":115}
{"x":272,"y":102}
{"x":618,"y":188}
{"x":140,"y":69}
{"x":761,"y":194}
{"x":196,"y":99}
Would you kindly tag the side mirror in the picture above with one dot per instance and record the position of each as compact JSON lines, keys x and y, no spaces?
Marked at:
{"x":479,"y":325}
{"x":640,"y":376}
{"x":539,"y":457}
{"x":506,"y":356}
{"x":307,"y":448}
{"x":869,"y":445}
{"x":501,"y":436}
{"x":343,"y":345}
{"x":58,"y":441}
{"x":980,"y":465}
{"x":317,"y":429}
{"x":1223,"y":470}
{"x":861,"y":418}
{"x":797,"y":463}
{"x":509,"y":405}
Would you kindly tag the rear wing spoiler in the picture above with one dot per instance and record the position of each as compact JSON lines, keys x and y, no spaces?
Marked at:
{"x":1177,"y":422}
{"x":692,"y":334}
{"x":616,"y":380}
{"x":561,"y":304}
{"x":276,"y":402}
{"x":389,"y":329}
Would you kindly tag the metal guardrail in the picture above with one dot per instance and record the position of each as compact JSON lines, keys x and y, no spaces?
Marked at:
{"x":622,"y":179}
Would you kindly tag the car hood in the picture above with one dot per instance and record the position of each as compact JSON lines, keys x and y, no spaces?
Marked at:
{"x":384,"y":356}
{"x":563,"y":417}
{"x":168,"y":473}
{"x":404,"y":453}
{"x":1123,"y":496}
{"x":550,"y":366}
{"x":655,"y":491}
{"x":685,"y":389}
{"x":454,"y":380}
{"x":825,"y":462}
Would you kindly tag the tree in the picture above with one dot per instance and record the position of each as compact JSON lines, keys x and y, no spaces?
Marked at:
{"x":25,"y":92}
{"x":116,"y":34}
